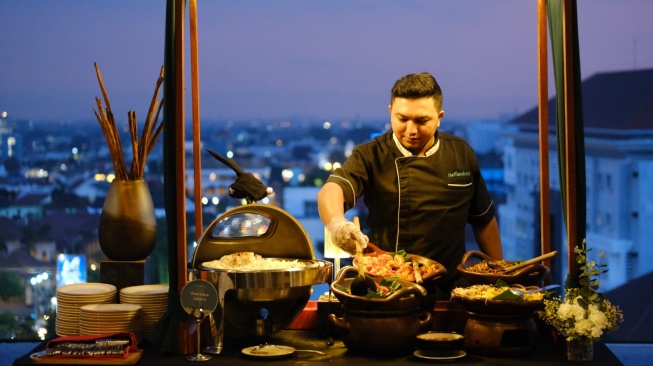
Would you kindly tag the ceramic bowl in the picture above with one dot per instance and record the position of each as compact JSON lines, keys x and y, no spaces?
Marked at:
{"x":531,"y":275}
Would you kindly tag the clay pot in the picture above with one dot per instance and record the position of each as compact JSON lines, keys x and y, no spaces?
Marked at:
{"x":127,"y":229}
{"x":380,"y":327}
{"x":500,"y":335}
{"x":381,"y":333}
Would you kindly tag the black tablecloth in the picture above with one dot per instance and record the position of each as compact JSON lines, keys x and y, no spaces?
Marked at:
{"x":545,"y":353}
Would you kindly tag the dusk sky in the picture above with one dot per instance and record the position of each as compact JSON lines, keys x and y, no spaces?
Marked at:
{"x":334,"y":59}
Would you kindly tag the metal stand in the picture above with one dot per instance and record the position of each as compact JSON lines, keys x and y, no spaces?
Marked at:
{"x":199,"y":316}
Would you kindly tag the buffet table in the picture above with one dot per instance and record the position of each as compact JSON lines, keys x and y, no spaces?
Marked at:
{"x":545,"y":353}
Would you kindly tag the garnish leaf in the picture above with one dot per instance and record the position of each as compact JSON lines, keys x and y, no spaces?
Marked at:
{"x":507,"y":295}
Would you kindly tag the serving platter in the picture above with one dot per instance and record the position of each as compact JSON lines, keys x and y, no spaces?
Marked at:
{"x":440,"y":270}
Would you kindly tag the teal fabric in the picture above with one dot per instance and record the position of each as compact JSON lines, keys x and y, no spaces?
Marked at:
{"x":554,"y":12}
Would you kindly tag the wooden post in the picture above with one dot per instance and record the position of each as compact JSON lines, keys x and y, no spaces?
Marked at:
{"x":195,"y":78}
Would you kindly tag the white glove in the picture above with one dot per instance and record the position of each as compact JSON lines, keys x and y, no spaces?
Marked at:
{"x":344,"y":234}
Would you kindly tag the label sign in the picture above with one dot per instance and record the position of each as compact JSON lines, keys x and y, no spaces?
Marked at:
{"x":199,"y":296}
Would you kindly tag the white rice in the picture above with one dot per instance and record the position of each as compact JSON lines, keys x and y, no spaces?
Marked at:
{"x":250,"y":261}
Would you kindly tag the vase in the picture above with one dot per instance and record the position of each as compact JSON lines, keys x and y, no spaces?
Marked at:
{"x":127,"y":229}
{"x":580,"y":349}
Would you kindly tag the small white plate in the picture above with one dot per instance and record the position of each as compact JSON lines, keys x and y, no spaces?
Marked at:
{"x":268,"y":351}
{"x":447,"y":356}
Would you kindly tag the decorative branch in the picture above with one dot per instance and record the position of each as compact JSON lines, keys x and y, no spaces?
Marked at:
{"x":141,"y":146}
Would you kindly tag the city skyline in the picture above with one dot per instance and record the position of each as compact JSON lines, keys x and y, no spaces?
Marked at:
{"x":284,"y":59}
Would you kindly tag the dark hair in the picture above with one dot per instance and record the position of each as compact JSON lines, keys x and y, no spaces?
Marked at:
{"x":414,"y":86}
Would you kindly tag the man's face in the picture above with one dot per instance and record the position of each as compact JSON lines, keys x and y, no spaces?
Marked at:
{"x":414,"y":122}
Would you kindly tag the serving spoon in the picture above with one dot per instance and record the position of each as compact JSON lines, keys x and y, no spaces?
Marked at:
{"x":531,"y":261}
{"x":521,"y":293}
{"x":495,"y":265}
{"x":362,"y":283}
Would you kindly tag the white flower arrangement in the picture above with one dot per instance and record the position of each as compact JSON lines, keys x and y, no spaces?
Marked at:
{"x":584,"y":312}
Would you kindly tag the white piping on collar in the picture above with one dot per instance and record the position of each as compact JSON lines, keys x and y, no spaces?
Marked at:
{"x":432,"y":150}
{"x":406,"y":154}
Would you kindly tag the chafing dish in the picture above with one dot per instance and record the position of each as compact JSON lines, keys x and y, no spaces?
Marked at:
{"x":252,"y":302}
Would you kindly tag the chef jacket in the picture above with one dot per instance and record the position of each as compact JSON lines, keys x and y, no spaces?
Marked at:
{"x":417,"y":203}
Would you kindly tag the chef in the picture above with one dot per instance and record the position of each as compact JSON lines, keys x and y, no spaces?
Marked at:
{"x":421,"y":186}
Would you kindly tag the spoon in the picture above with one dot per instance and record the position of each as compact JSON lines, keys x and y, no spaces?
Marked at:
{"x":362,"y":282}
{"x":530,"y":261}
{"x":522,"y":293}
{"x":262,"y":349}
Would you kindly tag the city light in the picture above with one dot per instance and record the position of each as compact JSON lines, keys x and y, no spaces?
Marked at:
{"x":326,"y":125}
{"x":287,"y":175}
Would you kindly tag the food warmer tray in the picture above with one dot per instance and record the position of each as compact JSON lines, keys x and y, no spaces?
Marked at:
{"x":244,"y":295}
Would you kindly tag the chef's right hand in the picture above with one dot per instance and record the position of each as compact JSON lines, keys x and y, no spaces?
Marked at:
{"x":345,"y":233}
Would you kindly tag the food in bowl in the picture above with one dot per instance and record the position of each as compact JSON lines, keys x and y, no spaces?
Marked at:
{"x":494,"y":292}
{"x":397,"y":264}
{"x":384,"y":288}
{"x":481,"y":272}
{"x":246,"y":261}
{"x":440,"y":341}
{"x":491,"y":267}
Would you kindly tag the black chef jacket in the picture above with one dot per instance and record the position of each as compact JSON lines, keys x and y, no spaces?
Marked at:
{"x":418,"y":203}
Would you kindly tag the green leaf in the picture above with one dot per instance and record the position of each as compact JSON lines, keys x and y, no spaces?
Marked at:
{"x":340,"y":287}
{"x":507,"y":295}
{"x":372,"y":294}
{"x":403,"y":253}
{"x":583,"y":303}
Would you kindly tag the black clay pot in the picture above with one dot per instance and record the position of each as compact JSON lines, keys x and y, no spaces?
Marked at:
{"x":127,"y":230}
{"x":380,"y":327}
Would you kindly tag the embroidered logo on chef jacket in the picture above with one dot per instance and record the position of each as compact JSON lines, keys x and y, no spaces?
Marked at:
{"x":457,"y":181}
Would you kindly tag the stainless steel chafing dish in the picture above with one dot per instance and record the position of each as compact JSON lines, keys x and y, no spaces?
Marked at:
{"x":252,"y":299}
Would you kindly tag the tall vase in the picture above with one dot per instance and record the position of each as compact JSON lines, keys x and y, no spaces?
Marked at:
{"x":580,"y":349}
{"x":127,"y":229}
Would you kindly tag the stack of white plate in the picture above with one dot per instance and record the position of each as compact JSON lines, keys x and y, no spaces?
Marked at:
{"x":153,"y":299}
{"x":111,"y":318}
{"x":71,"y":297}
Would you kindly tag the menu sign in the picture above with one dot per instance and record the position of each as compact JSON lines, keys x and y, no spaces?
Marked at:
{"x":199,"y":297}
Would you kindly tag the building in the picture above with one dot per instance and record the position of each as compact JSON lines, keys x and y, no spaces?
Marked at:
{"x":618,"y":120}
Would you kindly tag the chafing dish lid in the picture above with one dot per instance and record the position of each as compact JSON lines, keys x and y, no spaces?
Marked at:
{"x":263,"y":229}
